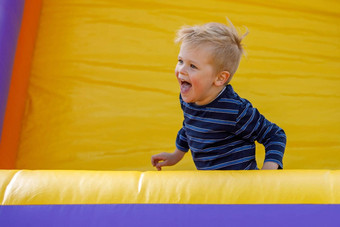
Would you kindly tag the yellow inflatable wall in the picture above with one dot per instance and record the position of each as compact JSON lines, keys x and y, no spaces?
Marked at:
{"x":171,"y":198}
{"x":103,"y":96}
{"x":23,"y":187}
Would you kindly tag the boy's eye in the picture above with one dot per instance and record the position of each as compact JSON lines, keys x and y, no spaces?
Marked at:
{"x":193,"y":66}
{"x":180,"y":61}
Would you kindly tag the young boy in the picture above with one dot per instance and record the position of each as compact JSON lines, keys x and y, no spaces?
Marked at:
{"x":219,"y":127}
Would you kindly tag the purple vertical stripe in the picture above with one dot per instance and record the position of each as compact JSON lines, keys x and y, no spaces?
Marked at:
{"x":169,"y":215}
{"x":10,"y":22}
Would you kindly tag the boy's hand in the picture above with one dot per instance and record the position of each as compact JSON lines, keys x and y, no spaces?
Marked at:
{"x":270,"y":165}
{"x":166,"y":159}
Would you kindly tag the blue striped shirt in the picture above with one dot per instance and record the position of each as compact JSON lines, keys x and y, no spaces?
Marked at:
{"x":221,"y":135}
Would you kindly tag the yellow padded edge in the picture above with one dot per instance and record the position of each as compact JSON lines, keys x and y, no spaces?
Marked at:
{"x":180,"y":187}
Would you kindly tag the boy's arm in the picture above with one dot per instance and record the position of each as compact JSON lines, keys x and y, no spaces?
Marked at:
{"x":251,"y":125}
{"x":270,"y":165}
{"x":167,"y":159}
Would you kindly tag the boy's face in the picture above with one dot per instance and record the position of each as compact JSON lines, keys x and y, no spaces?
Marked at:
{"x":196,"y":74}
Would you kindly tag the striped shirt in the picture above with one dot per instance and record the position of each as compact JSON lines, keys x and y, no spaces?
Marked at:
{"x":221,"y":135}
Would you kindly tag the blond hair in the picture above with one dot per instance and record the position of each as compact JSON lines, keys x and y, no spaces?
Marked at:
{"x":224,"y":41}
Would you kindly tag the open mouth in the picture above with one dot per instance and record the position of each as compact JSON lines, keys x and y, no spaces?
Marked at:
{"x":185,"y":86}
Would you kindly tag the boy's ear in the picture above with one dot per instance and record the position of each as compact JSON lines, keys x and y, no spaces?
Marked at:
{"x":222,"y":78}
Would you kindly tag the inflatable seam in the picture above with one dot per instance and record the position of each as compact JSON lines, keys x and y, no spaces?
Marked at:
{"x":9,"y":187}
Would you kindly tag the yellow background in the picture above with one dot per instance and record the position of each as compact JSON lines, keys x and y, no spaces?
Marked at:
{"x":103,"y":94}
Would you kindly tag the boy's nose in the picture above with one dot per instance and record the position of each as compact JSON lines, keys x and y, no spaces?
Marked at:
{"x":182,"y":70}
{"x":181,"y":76}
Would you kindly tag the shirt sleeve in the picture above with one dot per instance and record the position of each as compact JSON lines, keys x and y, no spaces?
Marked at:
{"x":251,"y":125}
{"x":181,"y":140}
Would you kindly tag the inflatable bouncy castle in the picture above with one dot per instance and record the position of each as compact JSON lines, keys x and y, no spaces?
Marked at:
{"x":88,"y":95}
